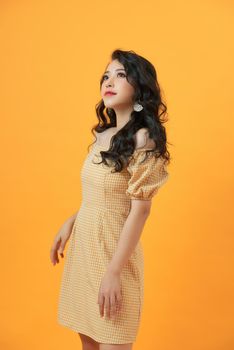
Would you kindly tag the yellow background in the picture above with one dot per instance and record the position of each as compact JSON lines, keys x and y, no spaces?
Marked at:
{"x":52,"y":56}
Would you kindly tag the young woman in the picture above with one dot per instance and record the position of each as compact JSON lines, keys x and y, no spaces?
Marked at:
{"x":102,"y":287}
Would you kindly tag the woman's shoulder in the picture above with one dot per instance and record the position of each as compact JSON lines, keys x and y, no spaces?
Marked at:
{"x":104,"y":136}
{"x":143,"y":140}
{"x":141,"y":137}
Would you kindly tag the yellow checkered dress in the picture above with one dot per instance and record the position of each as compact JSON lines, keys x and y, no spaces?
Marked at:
{"x":106,"y":202}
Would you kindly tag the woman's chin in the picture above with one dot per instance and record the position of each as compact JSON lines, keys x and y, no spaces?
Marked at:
{"x":110,"y":105}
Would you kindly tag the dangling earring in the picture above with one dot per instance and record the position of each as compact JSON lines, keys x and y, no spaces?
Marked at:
{"x":137,"y":107}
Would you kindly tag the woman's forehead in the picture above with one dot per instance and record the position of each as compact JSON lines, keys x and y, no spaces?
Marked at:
{"x":114,"y":65}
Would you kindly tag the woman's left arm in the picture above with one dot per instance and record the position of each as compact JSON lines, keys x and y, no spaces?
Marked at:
{"x":109,"y":297}
{"x":130,"y":235}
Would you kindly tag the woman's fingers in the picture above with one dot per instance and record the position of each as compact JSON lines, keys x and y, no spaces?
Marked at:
{"x":54,"y":256}
{"x":109,"y":295}
{"x":62,"y":247}
{"x":113,"y":305}
{"x":109,"y":305}
{"x":56,"y":247}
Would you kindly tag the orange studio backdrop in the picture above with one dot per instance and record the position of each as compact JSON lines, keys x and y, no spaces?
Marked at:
{"x":53,"y":54}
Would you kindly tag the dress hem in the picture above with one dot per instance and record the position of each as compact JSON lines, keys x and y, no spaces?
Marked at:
{"x":99,"y":340}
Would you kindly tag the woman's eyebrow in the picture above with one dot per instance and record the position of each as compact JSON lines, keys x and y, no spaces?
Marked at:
{"x":116,"y":70}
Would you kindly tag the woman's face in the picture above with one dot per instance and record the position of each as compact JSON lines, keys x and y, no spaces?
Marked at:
{"x":114,"y":79}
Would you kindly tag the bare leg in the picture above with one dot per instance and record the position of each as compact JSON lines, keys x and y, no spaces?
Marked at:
{"x":88,"y":343}
{"x":115,"y":346}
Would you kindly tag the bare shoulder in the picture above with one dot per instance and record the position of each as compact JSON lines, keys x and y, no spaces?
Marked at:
{"x":104,"y":136}
{"x":143,"y":140}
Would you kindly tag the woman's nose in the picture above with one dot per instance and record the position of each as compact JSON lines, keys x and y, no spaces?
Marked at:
{"x":109,"y":82}
{"x":109,"y":85}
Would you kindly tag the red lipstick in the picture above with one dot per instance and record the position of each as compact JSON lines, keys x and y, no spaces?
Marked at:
{"x":110,"y":93}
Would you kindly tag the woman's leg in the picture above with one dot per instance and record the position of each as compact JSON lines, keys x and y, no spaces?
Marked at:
{"x":115,"y":346}
{"x":88,"y":343}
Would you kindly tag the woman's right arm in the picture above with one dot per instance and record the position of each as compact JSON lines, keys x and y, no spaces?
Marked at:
{"x":61,"y":239}
{"x":70,"y":221}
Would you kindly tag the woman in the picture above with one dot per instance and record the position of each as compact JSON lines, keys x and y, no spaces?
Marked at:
{"x":102,"y":287}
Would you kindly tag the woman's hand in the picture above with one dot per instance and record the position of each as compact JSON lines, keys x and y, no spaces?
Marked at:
{"x":60,"y":241}
{"x":109,"y":296}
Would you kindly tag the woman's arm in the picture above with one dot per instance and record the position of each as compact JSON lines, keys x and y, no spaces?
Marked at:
{"x":70,"y":221}
{"x":130,"y":235}
{"x":109,"y":295}
{"x":61,"y":239}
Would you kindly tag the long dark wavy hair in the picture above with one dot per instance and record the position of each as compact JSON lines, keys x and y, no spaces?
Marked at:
{"x":142,"y":75}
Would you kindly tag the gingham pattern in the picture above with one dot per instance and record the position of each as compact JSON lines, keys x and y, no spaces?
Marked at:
{"x":106,"y":201}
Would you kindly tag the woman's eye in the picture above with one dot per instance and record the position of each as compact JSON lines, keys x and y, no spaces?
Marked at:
{"x":106,"y":76}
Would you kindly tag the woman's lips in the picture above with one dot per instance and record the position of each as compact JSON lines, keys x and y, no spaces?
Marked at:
{"x":110,"y":93}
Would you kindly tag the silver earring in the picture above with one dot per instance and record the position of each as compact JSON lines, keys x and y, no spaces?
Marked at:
{"x":137,"y":107}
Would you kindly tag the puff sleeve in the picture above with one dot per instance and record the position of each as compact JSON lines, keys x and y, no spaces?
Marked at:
{"x":145,"y":178}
